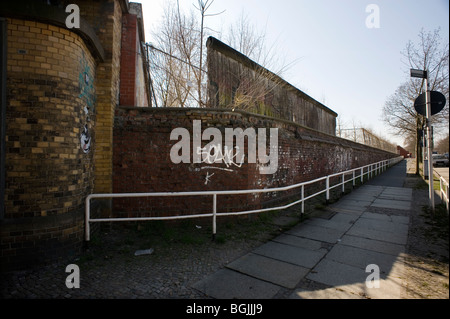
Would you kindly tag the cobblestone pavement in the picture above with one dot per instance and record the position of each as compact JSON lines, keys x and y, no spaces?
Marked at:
{"x":109,"y":268}
{"x":184,"y":254}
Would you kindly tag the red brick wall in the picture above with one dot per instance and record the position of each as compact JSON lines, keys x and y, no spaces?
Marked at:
{"x":128,"y":60}
{"x":141,"y":160}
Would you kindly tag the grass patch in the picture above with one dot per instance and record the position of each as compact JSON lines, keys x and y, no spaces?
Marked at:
{"x":438,"y":222}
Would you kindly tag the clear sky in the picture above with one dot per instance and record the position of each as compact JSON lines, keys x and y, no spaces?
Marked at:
{"x":339,"y":61}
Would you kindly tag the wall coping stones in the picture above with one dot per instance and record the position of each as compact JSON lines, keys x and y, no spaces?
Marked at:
{"x":39,"y":11}
{"x":300,"y":131}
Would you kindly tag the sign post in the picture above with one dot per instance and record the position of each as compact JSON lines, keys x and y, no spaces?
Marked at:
{"x":429,"y":144}
{"x":424,"y":75}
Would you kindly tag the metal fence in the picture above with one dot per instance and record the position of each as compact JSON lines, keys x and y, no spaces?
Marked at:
{"x":363,"y":136}
{"x":356,"y":173}
{"x":443,"y":191}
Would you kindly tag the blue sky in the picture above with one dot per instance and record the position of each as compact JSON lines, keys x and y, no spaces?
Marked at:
{"x":338,"y":60}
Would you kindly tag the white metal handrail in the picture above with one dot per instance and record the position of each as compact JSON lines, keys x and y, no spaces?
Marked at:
{"x":371,"y":169}
{"x":443,"y":191}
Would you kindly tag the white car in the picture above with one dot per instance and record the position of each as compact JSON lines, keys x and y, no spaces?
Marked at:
{"x":440,"y":160}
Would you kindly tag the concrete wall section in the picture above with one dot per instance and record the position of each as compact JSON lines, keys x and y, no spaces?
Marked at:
{"x":236,"y":82}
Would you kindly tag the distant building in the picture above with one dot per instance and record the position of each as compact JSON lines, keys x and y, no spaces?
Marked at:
{"x":134,"y":82}
{"x":59,"y":90}
{"x":402,"y":152}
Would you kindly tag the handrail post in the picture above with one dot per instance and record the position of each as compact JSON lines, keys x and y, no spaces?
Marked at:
{"x":343,"y":183}
{"x":303,"y":201}
{"x":362,"y":175}
{"x":214,"y":216}
{"x":87,"y":217}
{"x":327,"y":185}
{"x":447,"y":198}
{"x":353,"y":179}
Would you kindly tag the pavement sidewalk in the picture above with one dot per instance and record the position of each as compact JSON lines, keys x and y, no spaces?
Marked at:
{"x":355,"y":251}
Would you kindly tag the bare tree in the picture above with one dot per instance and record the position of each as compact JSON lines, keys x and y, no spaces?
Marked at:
{"x":442,"y":145}
{"x":174,"y":58}
{"x":203,"y":7}
{"x":399,"y":113}
{"x":178,"y":68}
{"x":258,"y":80}
{"x":252,"y":41}
{"x":178,"y":55}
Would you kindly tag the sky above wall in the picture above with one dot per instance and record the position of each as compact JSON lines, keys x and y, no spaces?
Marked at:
{"x":336,"y":58}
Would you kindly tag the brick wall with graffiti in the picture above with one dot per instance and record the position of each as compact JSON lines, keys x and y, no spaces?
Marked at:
{"x":180,"y":149}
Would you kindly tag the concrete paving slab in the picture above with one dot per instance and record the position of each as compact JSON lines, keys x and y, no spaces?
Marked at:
{"x":371,"y":244}
{"x":229,"y":284}
{"x":353,"y":205}
{"x":400,"y":219}
{"x":350,"y":281}
{"x":390,"y":287}
{"x":333,"y":224}
{"x":397,"y":190}
{"x":361,"y":258}
{"x":363,"y":196}
{"x":382,"y":225}
{"x":294,"y":255}
{"x":344,"y":218}
{"x":377,"y":234}
{"x":351,"y":211}
{"x":336,"y":274}
{"x":268,"y":269}
{"x":392,"y":203}
{"x":401,"y":197}
{"x":298,"y":242}
{"x":392,"y":218}
{"x":316,"y":232}
{"x":374,"y":189}
{"x":368,"y":190}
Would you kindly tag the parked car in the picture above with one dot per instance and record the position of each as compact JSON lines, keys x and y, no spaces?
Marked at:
{"x":440,"y":160}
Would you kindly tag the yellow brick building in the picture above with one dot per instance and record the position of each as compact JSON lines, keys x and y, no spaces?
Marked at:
{"x":60,"y":87}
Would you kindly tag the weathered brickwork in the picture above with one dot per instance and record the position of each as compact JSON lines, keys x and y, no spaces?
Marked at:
{"x":128,"y":60}
{"x":142,"y":160}
{"x":50,"y":102}
{"x":62,"y":89}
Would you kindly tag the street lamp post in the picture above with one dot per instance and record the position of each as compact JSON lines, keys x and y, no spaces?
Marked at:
{"x":424,"y":75}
